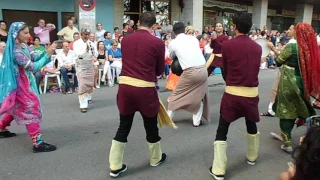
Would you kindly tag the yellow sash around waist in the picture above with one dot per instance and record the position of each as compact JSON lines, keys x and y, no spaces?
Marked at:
{"x":210,"y":60}
{"x":163,"y":117}
{"x":242,"y":91}
{"x":135,"y":82}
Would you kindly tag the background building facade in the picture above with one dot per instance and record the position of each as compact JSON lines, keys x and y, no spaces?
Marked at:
{"x":277,"y":15}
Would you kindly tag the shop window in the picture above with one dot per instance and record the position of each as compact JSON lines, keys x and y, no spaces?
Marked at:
{"x":134,"y":8}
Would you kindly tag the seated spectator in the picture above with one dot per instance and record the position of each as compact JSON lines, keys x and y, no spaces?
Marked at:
{"x":115,"y":58}
{"x":51,"y":68}
{"x":92,"y":39}
{"x":104,"y":63}
{"x":76,"y":36}
{"x":270,"y":60}
{"x":100,"y":32}
{"x":306,"y":158}
{"x":119,"y":41}
{"x":107,"y":40}
{"x":116,"y":33}
{"x":66,"y":64}
{"x":37,"y":47}
{"x":125,"y":31}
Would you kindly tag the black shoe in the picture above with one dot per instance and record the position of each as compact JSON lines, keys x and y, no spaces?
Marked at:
{"x":118,"y":172}
{"x":44,"y":147}
{"x":217,"y":177}
{"x":7,"y":134}
{"x":163,"y":159}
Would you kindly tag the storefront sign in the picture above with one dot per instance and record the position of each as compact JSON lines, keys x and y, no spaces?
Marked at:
{"x":290,"y":13}
{"x":224,"y":5}
{"x":87,"y":15}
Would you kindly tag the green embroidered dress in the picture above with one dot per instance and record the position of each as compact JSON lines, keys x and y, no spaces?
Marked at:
{"x":290,"y":102}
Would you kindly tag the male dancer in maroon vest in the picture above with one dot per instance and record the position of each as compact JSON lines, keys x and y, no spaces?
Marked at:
{"x":142,"y":61}
{"x":215,"y":59}
{"x":241,"y":62}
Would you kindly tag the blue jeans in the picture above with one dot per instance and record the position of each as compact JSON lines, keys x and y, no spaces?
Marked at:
{"x":166,"y":69}
{"x":64,"y":73}
{"x":270,"y":61}
{"x":38,"y":77}
{"x":207,"y":56}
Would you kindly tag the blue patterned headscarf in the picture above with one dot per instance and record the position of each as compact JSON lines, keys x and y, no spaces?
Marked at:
{"x":9,"y":70}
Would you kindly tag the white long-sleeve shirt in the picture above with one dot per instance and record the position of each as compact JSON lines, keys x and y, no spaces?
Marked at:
{"x":66,"y":60}
{"x":188,"y":51}
{"x":80,"y":48}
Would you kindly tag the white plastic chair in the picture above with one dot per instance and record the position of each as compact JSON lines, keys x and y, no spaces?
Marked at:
{"x":113,"y":74}
{"x":56,"y":75}
{"x":40,"y":89}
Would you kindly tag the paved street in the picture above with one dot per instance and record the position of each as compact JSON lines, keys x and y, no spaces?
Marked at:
{"x":84,"y":141}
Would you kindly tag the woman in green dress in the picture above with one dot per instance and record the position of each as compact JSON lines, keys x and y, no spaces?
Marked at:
{"x":299,"y":80}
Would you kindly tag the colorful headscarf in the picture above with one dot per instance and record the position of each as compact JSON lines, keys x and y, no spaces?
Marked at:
{"x":9,"y":70}
{"x":309,"y":60}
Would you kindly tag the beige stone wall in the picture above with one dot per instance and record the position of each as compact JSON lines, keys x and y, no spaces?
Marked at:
{"x":118,"y":14}
{"x":175,"y":11}
{"x":304,"y":13}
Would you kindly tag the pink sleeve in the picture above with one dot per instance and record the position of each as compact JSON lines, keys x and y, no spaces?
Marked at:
{"x":37,"y":30}
{"x":52,"y":28}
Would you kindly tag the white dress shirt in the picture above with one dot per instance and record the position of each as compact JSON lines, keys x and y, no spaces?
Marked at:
{"x":318,"y":39}
{"x":80,"y":48}
{"x":188,"y":51}
{"x":66,"y":60}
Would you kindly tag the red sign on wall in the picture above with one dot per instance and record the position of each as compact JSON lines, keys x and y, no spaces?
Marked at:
{"x":87,"y":5}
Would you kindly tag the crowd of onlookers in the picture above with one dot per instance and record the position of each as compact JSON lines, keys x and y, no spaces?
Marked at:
{"x":106,"y":46}
{"x":106,"y":49}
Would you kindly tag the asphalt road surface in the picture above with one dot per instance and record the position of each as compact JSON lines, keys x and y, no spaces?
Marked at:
{"x":84,"y":141}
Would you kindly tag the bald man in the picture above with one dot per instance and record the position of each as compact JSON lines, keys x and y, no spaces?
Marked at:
{"x":67,"y":32}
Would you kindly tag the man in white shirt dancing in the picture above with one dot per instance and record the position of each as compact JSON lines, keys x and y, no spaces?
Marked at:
{"x":192,"y":89}
{"x":84,"y":66}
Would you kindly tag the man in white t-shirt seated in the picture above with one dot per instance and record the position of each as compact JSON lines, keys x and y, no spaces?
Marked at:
{"x":66,"y":64}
